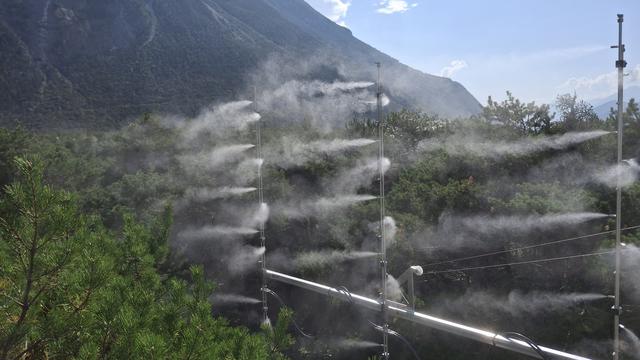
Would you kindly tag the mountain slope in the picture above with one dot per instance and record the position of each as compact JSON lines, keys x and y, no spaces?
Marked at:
{"x":603,"y":107}
{"x":78,"y":63}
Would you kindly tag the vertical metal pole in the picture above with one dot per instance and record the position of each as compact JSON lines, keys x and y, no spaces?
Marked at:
{"x":620,"y":64}
{"x":263,"y":257}
{"x":383,"y":245}
{"x":412,"y":293}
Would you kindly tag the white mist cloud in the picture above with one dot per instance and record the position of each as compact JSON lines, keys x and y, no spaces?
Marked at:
{"x":601,"y":85}
{"x":517,"y":303}
{"x":335,"y":10}
{"x":471,"y":144}
{"x":394,"y":6}
{"x":454,"y":67}
{"x":394,"y":290}
{"x":325,"y":105}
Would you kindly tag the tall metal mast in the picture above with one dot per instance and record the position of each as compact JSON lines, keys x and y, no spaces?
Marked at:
{"x":263,"y":257}
{"x":383,"y":245}
{"x":620,"y":64}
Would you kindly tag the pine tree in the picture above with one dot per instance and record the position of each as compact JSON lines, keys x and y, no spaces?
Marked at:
{"x":71,"y":289}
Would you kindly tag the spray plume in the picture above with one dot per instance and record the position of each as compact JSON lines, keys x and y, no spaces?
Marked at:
{"x":338,"y":145}
{"x":631,"y":263}
{"x":523,"y":224}
{"x":248,"y":170}
{"x":233,"y":106}
{"x":266,"y":324}
{"x":634,"y":340}
{"x":327,"y":258}
{"x":208,"y":232}
{"x":316,"y":88}
{"x":322,"y":206}
{"x":627,"y":173}
{"x":394,"y":290}
{"x":332,"y":88}
{"x":326,"y":105}
{"x":349,"y":181}
{"x":206,"y":194}
{"x":461,"y":145}
{"x":214,"y":158}
{"x":390,"y":230}
{"x":245,"y":259}
{"x":224,"y":153}
{"x":259,"y":217}
{"x":338,"y":202}
{"x":384,"y":101}
{"x":354,"y":344}
{"x":632,"y":253}
{"x":295,"y":152}
{"x":257,"y":162}
{"x":233,"y":115}
{"x":233,"y":299}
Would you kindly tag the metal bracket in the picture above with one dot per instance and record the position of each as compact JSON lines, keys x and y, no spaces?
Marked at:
{"x":407,"y":277}
{"x":616,"y":310}
{"x":621,"y":64}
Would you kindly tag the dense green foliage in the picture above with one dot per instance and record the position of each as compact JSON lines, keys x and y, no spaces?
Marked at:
{"x":70,"y":288}
{"x":112,"y":285}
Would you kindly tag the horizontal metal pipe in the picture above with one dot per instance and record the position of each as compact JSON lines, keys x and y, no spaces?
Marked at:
{"x":402,"y":312}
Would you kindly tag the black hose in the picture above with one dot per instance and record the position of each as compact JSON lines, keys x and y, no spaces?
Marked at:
{"x":518,"y":336}
{"x":380,"y":328}
{"x":282,"y":304}
{"x":396,"y":334}
{"x":343,"y":289}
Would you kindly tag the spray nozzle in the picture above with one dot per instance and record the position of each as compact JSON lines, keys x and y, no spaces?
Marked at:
{"x":266,"y":323}
{"x":616,"y":310}
{"x":385,"y":328}
{"x":417,"y":270}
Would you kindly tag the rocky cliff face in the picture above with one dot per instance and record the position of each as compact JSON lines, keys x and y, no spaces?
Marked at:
{"x":90,"y":63}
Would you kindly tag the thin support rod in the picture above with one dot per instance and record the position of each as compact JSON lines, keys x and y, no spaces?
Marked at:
{"x":383,"y":245}
{"x":263,"y":257}
{"x":620,"y":64}
{"x":403,"y":312}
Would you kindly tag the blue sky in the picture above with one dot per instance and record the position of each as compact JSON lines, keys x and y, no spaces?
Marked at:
{"x":535,"y":48}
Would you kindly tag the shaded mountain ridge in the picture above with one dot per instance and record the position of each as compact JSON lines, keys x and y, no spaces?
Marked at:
{"x":78,"y":63}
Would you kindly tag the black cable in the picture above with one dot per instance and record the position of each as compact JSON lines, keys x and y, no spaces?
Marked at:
{"x":413,"y":350}
{"x":282,"y":304}
{"x":529,"y":247}
{"x":396,"y":334}
{"x":521,"y":262}
{"x":521,"y":337}
{"x":343,"y":289}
